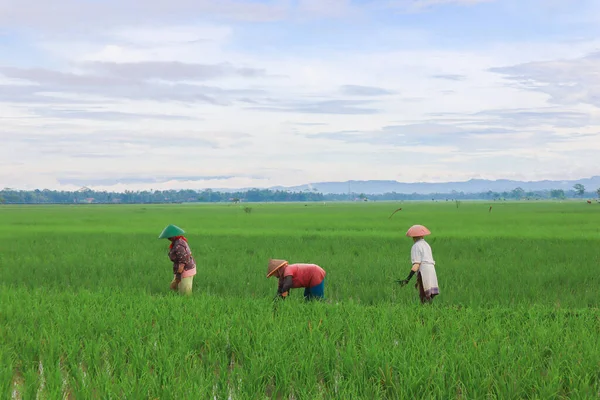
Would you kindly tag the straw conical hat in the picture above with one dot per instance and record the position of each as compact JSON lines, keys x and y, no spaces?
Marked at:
{"x":274,"y":265}
{"x":417,"y":231}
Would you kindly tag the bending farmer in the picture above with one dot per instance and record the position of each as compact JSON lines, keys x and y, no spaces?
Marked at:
{"x":311,"y":277}
{"x":423,"y":264}
{"x":184,"y":265}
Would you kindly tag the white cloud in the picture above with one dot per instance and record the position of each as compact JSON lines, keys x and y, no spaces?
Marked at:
{"x":565,"y":81}
{"x":62,"y":15}
{"x":421,"y":5}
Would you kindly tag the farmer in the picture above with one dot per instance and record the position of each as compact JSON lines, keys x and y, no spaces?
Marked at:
{"x":184,"y":266}
{"x":423,"y":264}
{"x":311,"y":277}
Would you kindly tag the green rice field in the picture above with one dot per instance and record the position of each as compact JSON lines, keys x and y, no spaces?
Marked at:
{"x":86,"y":311}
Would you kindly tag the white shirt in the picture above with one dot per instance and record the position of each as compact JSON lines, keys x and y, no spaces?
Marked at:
{"x":421,"y":253}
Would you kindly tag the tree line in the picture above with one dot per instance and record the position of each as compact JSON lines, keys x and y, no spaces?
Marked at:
{"x":11,"y":196}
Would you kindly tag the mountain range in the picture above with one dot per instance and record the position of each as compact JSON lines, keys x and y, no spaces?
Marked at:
{"x":470,"y":186}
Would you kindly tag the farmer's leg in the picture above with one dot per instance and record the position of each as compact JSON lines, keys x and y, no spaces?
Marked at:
{"x":419,"y":285}
{"x":174,"y":283}
{"x":317,"y":291}
{"x":185,"y":286}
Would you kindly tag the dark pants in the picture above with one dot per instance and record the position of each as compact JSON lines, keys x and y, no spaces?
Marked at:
{"x":315,"y":292}
{"x":425,"y":297}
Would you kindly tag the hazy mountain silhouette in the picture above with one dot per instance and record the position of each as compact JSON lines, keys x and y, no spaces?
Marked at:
{"x":470,"y":186}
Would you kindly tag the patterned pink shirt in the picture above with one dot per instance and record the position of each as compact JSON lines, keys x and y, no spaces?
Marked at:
{"x":182,"y":254}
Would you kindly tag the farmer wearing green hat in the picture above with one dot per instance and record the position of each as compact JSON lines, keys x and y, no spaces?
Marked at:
{"x":184,"y":265}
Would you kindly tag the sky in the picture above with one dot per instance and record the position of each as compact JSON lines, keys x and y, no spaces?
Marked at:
{"x":193,"y":94}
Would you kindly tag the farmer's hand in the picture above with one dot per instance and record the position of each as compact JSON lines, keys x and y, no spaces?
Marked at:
{"x":280,"y":296}
{"x":174,"y":284}
{"x":402,"y":282}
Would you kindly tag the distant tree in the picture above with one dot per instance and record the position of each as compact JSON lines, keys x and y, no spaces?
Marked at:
{"x":2,"y":201}
{"x":579,"y":189}
{"x":235,"y":200}
{"x":598,"y":192}
{"x":518,"y":193}
{"x":557,"y":194}
{"x":209,"y":193}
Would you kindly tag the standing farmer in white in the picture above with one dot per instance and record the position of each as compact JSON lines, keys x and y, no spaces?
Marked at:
{"x":184,"y":265}
{"x":423,"y":264}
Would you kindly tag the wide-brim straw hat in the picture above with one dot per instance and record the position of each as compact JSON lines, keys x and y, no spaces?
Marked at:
{"x":417,"y":231}
{"x":274,"y":265}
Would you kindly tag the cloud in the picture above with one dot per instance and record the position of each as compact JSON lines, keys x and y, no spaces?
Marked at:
{"x":127,"y":81}
{"x":73,"y":14}
{"x":308,"y":123}
{"x":395,"y":135}
{"x":450,"y":77}
{"x":427,"y":3}
{"x":59,"y":94}
{"x":171,"y":70}
{"x":319,"y":107}
{"x":46,"y":76}
{"x":113,"y":144}
{"x":128,"y":180}
{"x":422,"y":5}
{"x":357,"y":90}
{"x":329,"y":8}
{"x":106,"y":115}
{"x":566,"y":82}
{"x":32,"y":94}
{"x":149,"y":37}
{"x":520,"y":118}
{"x":532,"y":118}
{"x":452,"y":137}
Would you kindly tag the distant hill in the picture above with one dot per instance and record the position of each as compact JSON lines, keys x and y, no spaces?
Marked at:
{"x":470,"y":186}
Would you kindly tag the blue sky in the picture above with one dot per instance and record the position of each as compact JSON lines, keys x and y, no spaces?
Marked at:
{"x":195,"y":94}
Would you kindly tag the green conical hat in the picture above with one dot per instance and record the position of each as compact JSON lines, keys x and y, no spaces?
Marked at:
{"x":171,"y":231}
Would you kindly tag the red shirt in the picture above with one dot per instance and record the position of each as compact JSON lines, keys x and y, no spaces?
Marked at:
{"x":304,"y":275}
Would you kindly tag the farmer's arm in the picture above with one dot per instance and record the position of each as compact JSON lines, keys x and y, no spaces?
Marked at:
{"x":180,"y":256}
{"x":415,"y":256}
{"x":286,"y":285}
